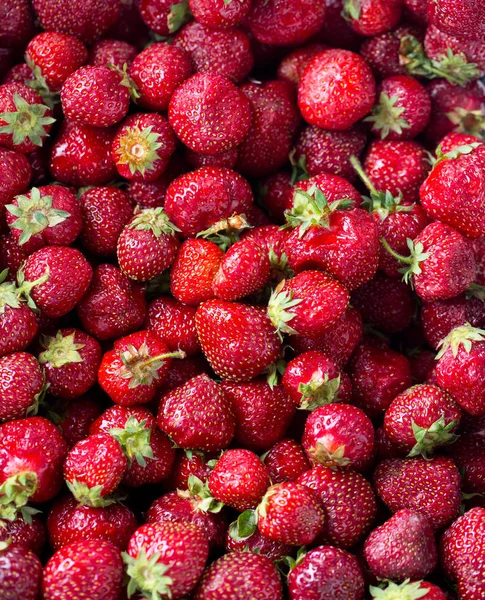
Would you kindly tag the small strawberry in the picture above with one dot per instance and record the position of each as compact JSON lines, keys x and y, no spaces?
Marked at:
{"x":31,"y":535}
{"x":21,"y":385}
{"x":371,"y":17}
{"x":20,"y":572}
{"x":285,"y":461}
{"x":382,"y":52}
{"x":256,"y":543}
{"x":293,"y":64}
{"x":165,"y":558}
{"x":112,"y":52}
{"x":188,"y":463}
{"x":91,"y":568}
{"x":183,"y":370}
{"x":218,"y":14}
{"x":410,"y":589}
{"x":75,"y":421}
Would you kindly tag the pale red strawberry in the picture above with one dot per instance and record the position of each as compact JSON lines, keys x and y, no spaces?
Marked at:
{"x":285,"y":461}
{"x":21,"y":385}
{"x":174,"y":323}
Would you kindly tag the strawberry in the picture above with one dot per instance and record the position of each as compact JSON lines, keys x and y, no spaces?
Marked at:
{"x":422,"y":418}
{"x":18,"y":23}
{"x":197,"y":415}
{"x":271,"y":23}
{"x":274,"y":120}
{"x":431,"y":487}
{"x":263,"y":413}
{"x":218,"y":14}
{"x":254,"y":343}
{"x":131,"y":372}
{"x":339,"y":435}
{"x":188,"y":463}
{"x":235,"y":574}
{"x":336,"y":107}
{"x":183,"y":370}
{"x":464,"y":19}
{"x":147,"y":245}
{"x":274,"y":191}
{"x":174,"y":323}
{"x":143,"y":146}
{"x":193,"y":271}
{"x":105,"y":212}
{"x":189,"y":201}
{"x":413,"y":589}
{"x":32,"y":451}
{"x":223,"y":113}
{"x":335,"y":190}
{"x":293,"y":64}
{"x":455,"y":139}
{"x":87,"y":22}
{"x":285,"y":461}
{"x":17,"y":175}
{"x":112,"y":52}
{"x":402,"y":548}
{"x":113,"y":306}
{"x":46,"y":216}
{"x":378,"y":376}
{"x":91,"y":568}
{"x":162,"y":16}
{"x":69,"y":522}
{"x":165,"y":558}
{"x":438,"y":45}
{"x":256,"y":543}
{"x":53,"y":57}
{"x":21,"y":385}
{"x":68,"y":277}
{"x":348,"y":501}
{"x":31,"y":535}
{"x":469,"y":456}
{"x":225,"y":52}
{"x":77,"y":418}
{"x":81,"y":155}
{"x":225,"y":159}
{"x":24,"y":120}
{"x":382,"y":52}
{"x":444,"y":201}
{"x":371,"y":17}
{"x":326,"y":571}
{"x":239,"y":479}
{"x":93,"y":469}
{"x":459,"y":364}
{"x":20,"y":572}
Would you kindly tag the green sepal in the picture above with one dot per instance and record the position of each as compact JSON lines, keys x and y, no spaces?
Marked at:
{"x":244,"y":526}
{"x":351,"y":10}
{"x":467,"y":121}
{"x":416,"y":257}
{"x":89,"y":496}
{"x":199,"y":490}
{"x":10,"y":295}
{"x":27,"y":122}
{"x":15,"y":493}
{"x":323,"y":456}
{"x":146,"y":141}
{"x":456,"y":152}
{"x":429,"y":438}
{"x":140,"y":367}
{"x":126,"y":81}
{"x":319,"y":392}
{"x":179,"y":15}
{"x":25,"y":287}
{"x":476,"y":291}
{"x":299,"y":171}
{"x":134,"y":438}
{"x":398,"y":591}
{"x":274,"y":371}
{"x":386,"y":116}
{"x":155,"y":220}
{"x":279,"y":306}
{"x":60,"y":350}
{"x":147,"y":576}
{"x":463,"y":336}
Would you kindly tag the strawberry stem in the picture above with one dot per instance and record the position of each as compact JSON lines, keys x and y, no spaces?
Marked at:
{"x":177,"y":354}
{"x":355,"y":162}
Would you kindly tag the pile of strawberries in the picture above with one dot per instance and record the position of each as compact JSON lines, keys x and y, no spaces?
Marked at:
{"x":242,"y":257}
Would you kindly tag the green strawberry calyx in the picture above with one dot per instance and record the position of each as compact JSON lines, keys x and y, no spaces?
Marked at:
{"x":299,"y":171}
{"x":352,"y":10}
{"x":199,"y":492}
{"x":10,"y":295}
{"x":148,"y":575}
{"x":428,"y":438}
{"x":462,"y":336}
{"x":28,"y":121}
{"x":60,"y":350}
{"x":138,"y":149}
{"x":467,"y":121}
{"x":15,"y":492}
{"x":89,"y":496}
{"x":399,"y":591}
{"x":25,"y":287}
{"x":387,"y":117}
{"x":318,"y":391}
{"x":279,"y":306}
{"x":39,"y":84}
{"x":244,"y":526}
{"x":155,"y":220}
{"x":414,"y":260}
{"x":334,"y":457}
{"x":134,"y":438}
{"x":126,"y":80}
{"x":226,"y":232}
{"x":179,"y":15}
{"x":140,"y":367}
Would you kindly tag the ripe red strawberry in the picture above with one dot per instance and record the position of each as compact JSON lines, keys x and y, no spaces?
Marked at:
{"x":438,"y":45}
{"x":81,"y":155}
{"x":174,"y":323}
{"x":53,"y":56}
{"x":17,"y":175}
{"x":274,"y":192}
{"x":454,"y":140}
{"x":18,"y":321}
{"x":93,"y":469}
{"x":91,"y":568}
{"x":469,"y":456}
{"x":157,"y":71}
{"x":274,"y":120}
{"x":147,"y":245}
{"x":254,"y":342}
{"x":336,"y":107}
{"x":143,"y":146}
{"x":382,"y":52}
{"x":371,"y":17}
{"x":197,"y":415}
{"x":339,"y":435}
{"x":402,"y":548}
{"x":378,"y":376}
{"x":461,"y":19}
{"x":77,"y":418}
{"x":293,"y":64}
{"x":68,"y":277}
{"x":112,"y":52}
{"x":236,"y":573}
{"x":113,"y":306}
{"x":132,"y":371}
{"x":256,"y":543}
{"x":18,"y":23}
{"x":32,"y":452}
{"x":239,"y":479}
{"x":21,"y":385}
{"x":431,"y":487}
{"x":183,"y":370}
{"x":285,"y":461}
{"x":223,"y":113}
{"x":218,"y":14}
{"x":422,"y":418}
{"x":187,"y":463}
{"x":189,"y":201}
{"x":20,"y":572}
{"x":24,"y":120}
{"x":290,"y":513}
{"x":46,"y":216}
{"x":69,"y":522}
{"x":166,"y":558}
{"x":270,"y":22}
{"x":410,"y":588}
{"x":263,"y":414}
{"x":326,"y":571}
{"x":225,"y":159}
{"x":193,"y":271}
{"x":31,"y":535}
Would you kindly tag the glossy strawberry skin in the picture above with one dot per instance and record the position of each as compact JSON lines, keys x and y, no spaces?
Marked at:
{"x":293,"y":64}
{"x":20,"y":572}
{"x":21,"y":380}
{"x":112,"y":52}
{"x":174,"y":323}
{"x":17,"y":172}
{"x":376,"y":16}
{"x":218,"y":15}
{"x":286,"y":461}
{"x":19,"y":327}
{"x":29,"y":535}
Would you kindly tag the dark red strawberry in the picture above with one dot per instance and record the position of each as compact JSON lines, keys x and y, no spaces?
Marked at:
{"x":218,"y":14}
{"x":17,"y":175}
{"x":339,"y":435}
{"x":225,"y":159}
{"x":17,"y":23}
{"x":410,"y":588}
{"x":166,"y":558}
{"x":69,"y":522}
{"x":87,"y":567}
{"x":326,"y":571}
{"x":20,"y":572}
{"x":274,"y":191}
{"x":256,"y":543}
{"x":439,"y":46}
{"x":293,"y":64}
{"x":431,"y":487}
{"x":183,"y":370}
{"x":11,"y":256}
{"x":382,"y":52}
{"x":187,"y":463}
{"x":21,"y":385}
{"x":174,"y":323}
{"x":371,"y":17}
{"x":113,"y":306}
{"x":402,"y":548}
{"x":198,"y":415}
{"x":286,"y":461}
{"x":112,"y":52}
{"x":469,"y":456}
{"x":461,"y":19}
{"x":31,"y":535}
{"x":77,"y":418}
{"x":348,"y":501}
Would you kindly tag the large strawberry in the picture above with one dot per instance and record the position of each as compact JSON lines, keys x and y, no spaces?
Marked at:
{"x":21,"y":385}
{"x":458,"y":18}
